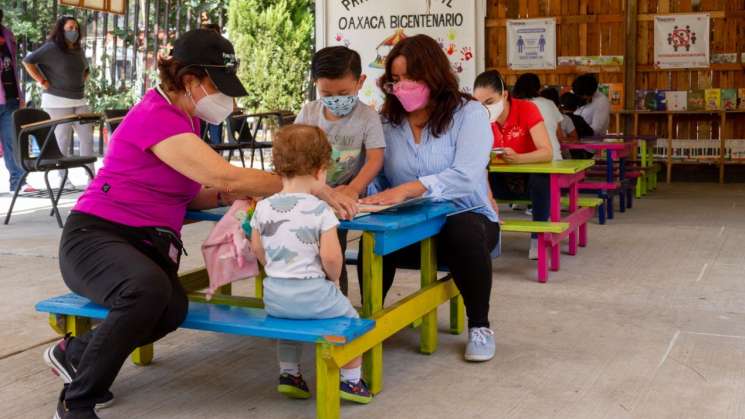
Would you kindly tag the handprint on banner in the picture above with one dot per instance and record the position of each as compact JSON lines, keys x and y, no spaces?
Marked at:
{"x":467,"y":53}
{"x":452,"y":35}
{"x":451,"y":49}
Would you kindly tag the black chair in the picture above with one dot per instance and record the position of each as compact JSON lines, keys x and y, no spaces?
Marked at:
{"x":28,"y":123}
{"x":112,"y":118}
{"x":243,"y":130}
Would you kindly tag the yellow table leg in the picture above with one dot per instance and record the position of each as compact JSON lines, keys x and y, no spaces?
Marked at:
{"x":372,"y":286}
{"x":143,"y":355}
{"x":57,"y":322}
{"x":428,"y":336}
{"x":457,"y":315}
{"x":226,"y":289}
{"x":328,"y":403}
{"x":77,"y":326}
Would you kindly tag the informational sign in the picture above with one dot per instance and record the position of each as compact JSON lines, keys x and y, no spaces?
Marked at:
{"x":373,"y":28}
{"x":531,"y":44}
{"x":112,"y":6}
{"x":681,"y":41}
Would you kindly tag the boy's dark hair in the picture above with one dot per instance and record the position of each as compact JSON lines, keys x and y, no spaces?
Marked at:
{"x":300,"y":150}
{"x":492,"y":79}
{"x":585,"y":85}
{"x":212,"y":27}
{"x":551,"y":94}
{"x":570,"y":102}
{"x":335,"y":63}
{"x":527,"y":86}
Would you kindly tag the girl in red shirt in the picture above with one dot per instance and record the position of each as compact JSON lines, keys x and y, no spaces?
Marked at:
{"x":520,"y":132}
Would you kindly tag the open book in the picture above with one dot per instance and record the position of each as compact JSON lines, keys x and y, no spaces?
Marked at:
{"x":367,"y":209}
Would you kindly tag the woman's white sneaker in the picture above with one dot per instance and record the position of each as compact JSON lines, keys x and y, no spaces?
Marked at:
{"x":481,"y":346}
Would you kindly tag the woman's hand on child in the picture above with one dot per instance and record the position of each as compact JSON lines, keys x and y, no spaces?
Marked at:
{"x":344,"y":206}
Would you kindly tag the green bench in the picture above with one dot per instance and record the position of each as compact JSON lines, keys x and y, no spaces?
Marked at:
{"x":548,"y":232}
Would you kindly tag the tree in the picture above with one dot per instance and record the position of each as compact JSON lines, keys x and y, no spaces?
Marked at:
{"x":273,"y":40}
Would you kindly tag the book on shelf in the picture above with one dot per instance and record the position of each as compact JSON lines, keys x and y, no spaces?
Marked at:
{"x":639,"y":100}
{"x":729,"y":99}
{"x":713,"y":98}
{"x":741,"y":98}
{"x":614,"y":93}
{"x":654,"y":100}
{"x":696,"y":100}
{"x":677,"y":100}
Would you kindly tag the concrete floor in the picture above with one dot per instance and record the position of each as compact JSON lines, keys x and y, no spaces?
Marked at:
{"x":647,"y":322}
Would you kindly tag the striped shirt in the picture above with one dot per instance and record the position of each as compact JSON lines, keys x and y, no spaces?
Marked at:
{"x":451,"y":167}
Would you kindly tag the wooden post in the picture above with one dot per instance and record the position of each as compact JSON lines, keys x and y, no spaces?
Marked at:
{"x":722,"y":143}
{"x":669,"y":147}
{"x":629,"y":63}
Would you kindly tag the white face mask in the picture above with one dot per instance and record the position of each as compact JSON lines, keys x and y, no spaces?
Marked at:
{"x":495,"y":109}
{"x":214,"y":108}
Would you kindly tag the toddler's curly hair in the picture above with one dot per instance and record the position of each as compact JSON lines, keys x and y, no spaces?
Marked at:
{"x":300,"y":150}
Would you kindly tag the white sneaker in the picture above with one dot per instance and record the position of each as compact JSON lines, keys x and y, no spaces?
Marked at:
{"x":533,"y":252}
{"x":481,"y":346}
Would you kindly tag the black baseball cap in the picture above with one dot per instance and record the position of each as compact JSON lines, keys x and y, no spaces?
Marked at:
{"x":207,"y":49}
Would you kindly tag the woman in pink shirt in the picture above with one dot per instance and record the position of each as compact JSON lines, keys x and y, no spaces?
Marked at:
{"x":121,"y":245}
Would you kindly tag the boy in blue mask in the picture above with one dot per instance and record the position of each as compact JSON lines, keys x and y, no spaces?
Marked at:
{"x":353,"y":128}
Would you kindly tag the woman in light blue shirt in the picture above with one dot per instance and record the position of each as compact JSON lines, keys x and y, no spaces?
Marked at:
{"x":438,"y":142}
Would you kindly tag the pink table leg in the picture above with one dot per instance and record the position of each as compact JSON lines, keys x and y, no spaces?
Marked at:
{"x":542,"y":262}
{"x":573,"y":195}
{"x":555,"y":192}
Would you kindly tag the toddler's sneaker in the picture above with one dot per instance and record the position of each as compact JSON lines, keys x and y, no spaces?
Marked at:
{"x":481,"y":346}
{"x":55,"y":358}
{"x":355,"y":392}
{"x":293,"y":387}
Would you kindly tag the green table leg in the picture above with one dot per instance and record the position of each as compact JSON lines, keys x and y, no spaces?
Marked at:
{"x":260,"y":284}
{"x":226,"y":289}
{"x":372,"y":286}
{"x":328,"y":402}
{"x":457,"y":315}
{"x":428,"y":337}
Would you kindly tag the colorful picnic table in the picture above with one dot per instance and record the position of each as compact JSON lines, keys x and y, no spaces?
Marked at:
{"x":383,"y":234}
{"x":564,"y":174}
{"x":642,"y":151}
{"x":614,"y":151}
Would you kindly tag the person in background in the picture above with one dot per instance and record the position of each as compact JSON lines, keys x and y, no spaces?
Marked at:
{"x":61,"y":69}
{"x":11,"y":99}
{"x":567,"y":131}
{"x":353,"y":128}
{"x":569,"y":104}
{"x":519,"y":131}
{"x":596,"y":108}
{"x":528,"y":86}
{"x":215,"y":132}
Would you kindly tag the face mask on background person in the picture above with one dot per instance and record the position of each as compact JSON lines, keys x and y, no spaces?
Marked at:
{"x":495,"y":110}
{"x":413,"y":95}
{"x":213,"y":108}
{"x":339,"y":105}
{"x":72,"y":36}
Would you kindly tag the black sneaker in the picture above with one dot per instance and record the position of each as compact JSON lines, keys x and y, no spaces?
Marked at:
{"x":293,"y":387}
{"x":55,"y":358}
{"x":63,"y":413}
{"x":355,"y":392}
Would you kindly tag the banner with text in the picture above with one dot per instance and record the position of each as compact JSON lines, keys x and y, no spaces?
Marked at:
{"x":531,"y":44}
{"x":681,"y":41}
{"x":372,"y":28}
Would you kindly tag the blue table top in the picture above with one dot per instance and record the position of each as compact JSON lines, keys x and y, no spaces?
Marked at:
{"x":386,"y":221}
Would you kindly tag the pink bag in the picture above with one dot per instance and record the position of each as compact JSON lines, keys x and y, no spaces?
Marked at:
{"x":227,"y":251}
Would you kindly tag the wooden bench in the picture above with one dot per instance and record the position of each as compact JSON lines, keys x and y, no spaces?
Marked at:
{"x":337,"y":340}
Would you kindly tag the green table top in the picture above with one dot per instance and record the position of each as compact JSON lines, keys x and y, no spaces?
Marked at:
{"x":564,"y":167}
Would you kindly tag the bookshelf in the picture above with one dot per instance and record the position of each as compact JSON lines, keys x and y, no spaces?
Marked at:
{"x":720,"y":117}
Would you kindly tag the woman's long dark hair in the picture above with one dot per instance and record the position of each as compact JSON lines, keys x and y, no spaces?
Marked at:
{"x":57,"y":35}
{"x":427,"y":63}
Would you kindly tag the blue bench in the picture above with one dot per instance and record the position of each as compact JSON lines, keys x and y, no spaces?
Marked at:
{"x":337,"y":340}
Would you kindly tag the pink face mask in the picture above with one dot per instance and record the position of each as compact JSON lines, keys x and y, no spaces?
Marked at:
{"x":413,"y":95}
